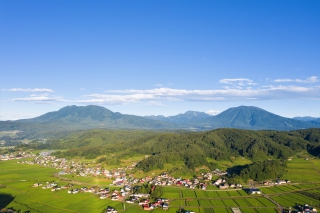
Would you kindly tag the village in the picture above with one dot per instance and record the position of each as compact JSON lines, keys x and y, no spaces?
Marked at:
{"x":15,"y":156}
{"x":124,"y":177}
{"x":121,"y":177}
{"x":126,"y":188}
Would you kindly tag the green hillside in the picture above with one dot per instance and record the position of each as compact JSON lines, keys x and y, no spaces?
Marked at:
{"x":195,"y":149}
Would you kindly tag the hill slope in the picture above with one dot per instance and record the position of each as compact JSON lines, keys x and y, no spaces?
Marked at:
{"x":202,"y":148}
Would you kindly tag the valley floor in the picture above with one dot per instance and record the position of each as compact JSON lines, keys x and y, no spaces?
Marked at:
{"x":16,"y":192}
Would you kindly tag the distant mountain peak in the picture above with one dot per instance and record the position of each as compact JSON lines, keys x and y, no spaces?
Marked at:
{"x":90,"y":117}
{"x":182,"y":118}
{"x":93,"y":116}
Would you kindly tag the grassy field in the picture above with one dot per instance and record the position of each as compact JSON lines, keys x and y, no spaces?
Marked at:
{"x":16,"y":191}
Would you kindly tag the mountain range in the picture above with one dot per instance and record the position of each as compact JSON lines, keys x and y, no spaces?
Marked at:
{"x":242,"y":117}
{"x":72,"y":118}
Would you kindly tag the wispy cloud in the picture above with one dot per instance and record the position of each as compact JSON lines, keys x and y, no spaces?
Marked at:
{"x":44,"y":98}
{"x":158,"y":85}
{"x":269,"y":92}
{"x":236,"y":89}
{"x":28,"y":90}
{"x":312,"y":79}
{"x":15,"y":116}
{"x":237,"y":81}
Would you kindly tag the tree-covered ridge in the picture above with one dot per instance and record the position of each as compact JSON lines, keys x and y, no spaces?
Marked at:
{"x":260,"y":171}
{"x":196,"y":149}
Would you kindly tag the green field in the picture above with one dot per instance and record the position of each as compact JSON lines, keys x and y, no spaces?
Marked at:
{"x":301,"y":170}
{"x":16,"y":191}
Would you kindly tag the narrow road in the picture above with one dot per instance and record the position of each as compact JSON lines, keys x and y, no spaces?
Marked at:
{"x":273,"y":201}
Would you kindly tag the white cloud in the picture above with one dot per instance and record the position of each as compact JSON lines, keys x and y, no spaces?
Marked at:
{"x":44,"y":98}
{"x":269,"y":92}
{"x":283,"y":80}
{"x":15,"y":116}
{"x":312,"y":79}
{"x":28,"y":90}
{"x":237,"y":81}
{"x":158,"y":85}
{"x":213,"y":112}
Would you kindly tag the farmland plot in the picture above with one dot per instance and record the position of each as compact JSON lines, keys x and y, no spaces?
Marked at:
{"x":217,"y":203}
{"x":188,"y":194}
{"x":247,"y":210}
{"x":266,"y":202}
{"x":254,"y":202}
{"x":212,"y":194}
{"x":201,"y":194}
{"x":267,"y":190}
{"x":192,"y":202}
{"x":205,"y":203}
{"x":233,"y":193}
{"x":266,"y":210}
{"x":222,"y":210}
{"x":230,"y":203}
{"x":170,"y":193}
{"x":223,"y":194}
{"x":242,"y":202}
{"x":282,"y":201}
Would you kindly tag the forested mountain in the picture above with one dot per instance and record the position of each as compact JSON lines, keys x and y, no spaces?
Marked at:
{"x":306,"y":118}
{"x":75,"y":118}
{"x":242,"y":117}
{"x":96,"y":117}
{"x":249,"y":117}
{"x":196,"y":149}
{"x":309,"y":119}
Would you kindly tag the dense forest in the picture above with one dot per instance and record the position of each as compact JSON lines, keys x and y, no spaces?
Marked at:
{"x":192,"y":148}
{"x":267,"y":149}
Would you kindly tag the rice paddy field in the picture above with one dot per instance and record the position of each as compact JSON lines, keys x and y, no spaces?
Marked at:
{"x":303,"y":170}
{"x":16,"y":191}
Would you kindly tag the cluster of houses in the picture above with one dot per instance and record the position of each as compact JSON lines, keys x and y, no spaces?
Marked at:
{"x":307,"y":209}
{"x":121,"y":176}
{"x":15,"y":156}
{"x":221,"y":184}
{"x":116,"y":195}
{"x":110,"y":209}
{"x":277,"y":182}
{"x":162,"y":203}
{"x":78,"y":168}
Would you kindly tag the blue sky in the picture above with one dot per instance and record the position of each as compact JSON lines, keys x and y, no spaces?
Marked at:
{"x":159,"y":57}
